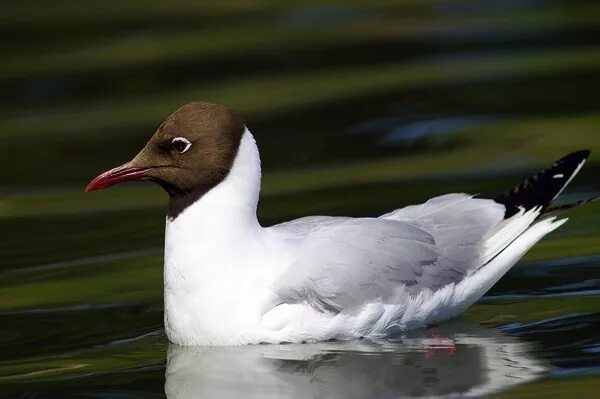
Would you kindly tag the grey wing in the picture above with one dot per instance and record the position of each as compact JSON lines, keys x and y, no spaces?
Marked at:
{"x":343,"y":263}
{"x":462,"y":227}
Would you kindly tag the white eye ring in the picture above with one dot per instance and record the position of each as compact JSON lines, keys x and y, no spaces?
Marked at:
{"x":180,"y":144}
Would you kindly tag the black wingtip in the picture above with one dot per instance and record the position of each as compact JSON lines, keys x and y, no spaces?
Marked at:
{"x":540,"y":189}
{"x":576,"y":156}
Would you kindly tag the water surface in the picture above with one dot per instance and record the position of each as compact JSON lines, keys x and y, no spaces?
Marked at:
{"x":359,"y":107}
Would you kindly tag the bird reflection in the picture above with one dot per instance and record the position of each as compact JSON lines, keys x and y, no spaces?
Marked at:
{"x":463,"y":359}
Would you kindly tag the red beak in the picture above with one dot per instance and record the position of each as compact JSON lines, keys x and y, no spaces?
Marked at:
{"x":117,"y":175}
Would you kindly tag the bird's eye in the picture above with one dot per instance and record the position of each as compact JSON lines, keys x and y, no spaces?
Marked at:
{"x":180,"y":144}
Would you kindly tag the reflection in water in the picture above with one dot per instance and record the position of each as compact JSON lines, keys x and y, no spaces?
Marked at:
{"x":469,"y":361}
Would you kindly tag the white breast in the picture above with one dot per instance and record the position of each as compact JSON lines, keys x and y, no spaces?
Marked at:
{"x":219,"y":262}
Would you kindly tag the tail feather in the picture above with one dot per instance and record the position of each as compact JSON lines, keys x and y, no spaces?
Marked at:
{"x":542,"y":188}
{"x":529,"y":203}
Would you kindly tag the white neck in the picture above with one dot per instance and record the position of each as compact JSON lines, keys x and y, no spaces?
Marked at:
{"x":208,"y":248}
{"x":234,"y":200}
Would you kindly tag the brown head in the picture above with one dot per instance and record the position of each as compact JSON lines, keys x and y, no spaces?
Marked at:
{"x":191,"y":152}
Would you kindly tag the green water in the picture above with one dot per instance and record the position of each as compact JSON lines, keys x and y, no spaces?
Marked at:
{"x":359,"y":107}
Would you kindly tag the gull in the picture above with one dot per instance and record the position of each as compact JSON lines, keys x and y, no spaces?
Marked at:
{"x":230,"y":281}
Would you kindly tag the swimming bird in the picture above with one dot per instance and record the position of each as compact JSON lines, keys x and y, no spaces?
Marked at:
{"x":230,"y":281}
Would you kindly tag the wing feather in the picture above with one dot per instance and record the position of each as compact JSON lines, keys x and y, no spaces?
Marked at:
{"x":344,"y":263}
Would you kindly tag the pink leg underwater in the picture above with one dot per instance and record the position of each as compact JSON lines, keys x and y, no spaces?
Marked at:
{"x":438,"y":344}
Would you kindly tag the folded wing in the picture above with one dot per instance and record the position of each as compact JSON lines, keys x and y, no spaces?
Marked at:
{"x":347,"y":262}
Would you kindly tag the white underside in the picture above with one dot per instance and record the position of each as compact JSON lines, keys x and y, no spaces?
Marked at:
{"x":224,"y":274}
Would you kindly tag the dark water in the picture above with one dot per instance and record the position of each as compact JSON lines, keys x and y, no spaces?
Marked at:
{"x":359,"y":107}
